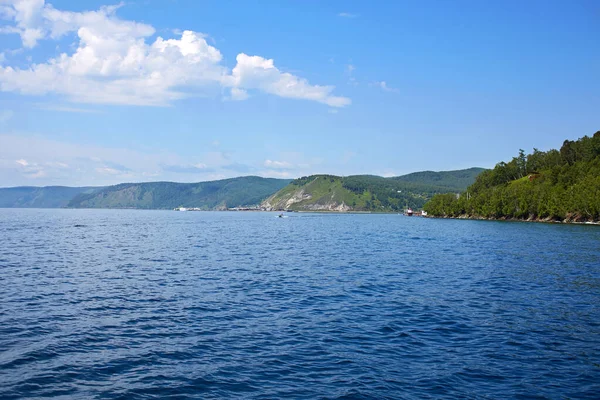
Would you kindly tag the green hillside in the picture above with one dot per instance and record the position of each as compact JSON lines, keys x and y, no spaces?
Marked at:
{"x":454,"y":180}
{"x":553,"y":185}
{"x":40,"y":197}
{"x":242,"y":191}
{"x":353,"y":193}
{"x":317,"y":192}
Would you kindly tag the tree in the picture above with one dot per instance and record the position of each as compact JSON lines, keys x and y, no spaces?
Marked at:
{"x":522,"y":163}
{"x":567,"y":185}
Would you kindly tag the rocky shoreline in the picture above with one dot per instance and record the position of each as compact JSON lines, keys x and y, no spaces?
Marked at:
{"x":570,"y":219}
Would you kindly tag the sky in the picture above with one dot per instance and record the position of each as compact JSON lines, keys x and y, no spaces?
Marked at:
{"x":99,"y":93}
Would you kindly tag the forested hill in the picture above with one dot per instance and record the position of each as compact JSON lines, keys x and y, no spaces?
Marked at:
{"x":40,"y":197}
{"x":552,"y":185}
{"x":359,"y":192}
{"x":453,"y":180}
{"x":242,"y":191}
{"x":362,"y":192}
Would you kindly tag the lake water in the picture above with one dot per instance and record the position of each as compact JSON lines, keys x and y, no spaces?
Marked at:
{"x":125,"y":304}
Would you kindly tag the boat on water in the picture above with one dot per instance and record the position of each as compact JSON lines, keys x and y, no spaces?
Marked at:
{"x":408,"y":212}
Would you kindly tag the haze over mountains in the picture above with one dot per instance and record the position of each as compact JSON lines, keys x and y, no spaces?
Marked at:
{"x":40,"y":197}
{"x":413,"y":188}
{"x":234,"y":192}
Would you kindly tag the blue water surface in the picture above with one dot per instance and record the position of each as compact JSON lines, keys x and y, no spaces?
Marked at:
{"x":126,"y":304}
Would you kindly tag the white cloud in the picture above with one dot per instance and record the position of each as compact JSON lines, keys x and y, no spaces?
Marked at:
{"x":350,"y":72}
{"x":51,"y":162}
{"x":280,"y":174}
{"x":107,"y":170}
{"x":57,"y":164}
{"x":347,"y":15}
{"x":238,"y":94}
{"x":35,"y":20}
{"x":30,"y":170}
{"x":115,"y":62}
{"x":277,"y":164}
{"x":383,"y":86}
{"x":255,"y":72}
{"x":120,"y":70}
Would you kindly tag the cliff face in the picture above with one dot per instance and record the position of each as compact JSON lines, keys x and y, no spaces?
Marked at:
{"x":319,"y":193}
{"x":299,"y":200}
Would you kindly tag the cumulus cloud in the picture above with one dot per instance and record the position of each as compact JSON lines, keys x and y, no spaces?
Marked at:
{"x":35,"y":20}
{"x":116,"y":62}
{"x":255,"y":72}
{"x":238,"y":94}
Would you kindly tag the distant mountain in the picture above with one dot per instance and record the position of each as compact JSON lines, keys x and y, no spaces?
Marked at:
{"x":455,"y":180}
{"x":367,"y":192}
{"x":40,"y":197}
{"x":242,"y":191}
{"x":316,"y":192}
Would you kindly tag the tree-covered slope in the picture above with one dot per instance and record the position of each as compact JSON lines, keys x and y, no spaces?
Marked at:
{"x":457,"y":180}
{"x":242,"y":191}
{"x":40,"y":197}
{"x":352,"y":193}
{"x":553,"y":185}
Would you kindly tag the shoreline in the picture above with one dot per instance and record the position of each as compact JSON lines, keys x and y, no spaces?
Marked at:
{"x":565,"y":221}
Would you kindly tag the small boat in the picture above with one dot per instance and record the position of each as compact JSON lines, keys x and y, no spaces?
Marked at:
{"x":280,"y":215}
{"x":408,"y":212}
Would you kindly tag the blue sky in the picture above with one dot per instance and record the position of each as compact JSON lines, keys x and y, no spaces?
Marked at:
{"x":96,"y":93}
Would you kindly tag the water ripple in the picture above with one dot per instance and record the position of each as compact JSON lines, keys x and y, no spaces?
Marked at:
{"x":162,"y":305}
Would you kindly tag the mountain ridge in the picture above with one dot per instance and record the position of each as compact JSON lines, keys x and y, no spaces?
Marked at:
{"x":209,"y":195}
{"x":365,"y":192}
{"x":226,"y":193}
{"x":41,"y":197}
